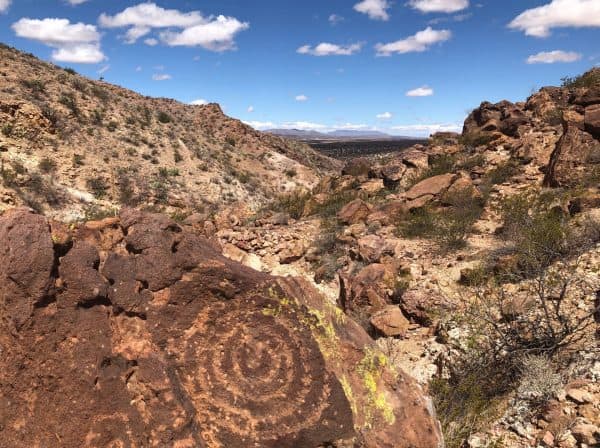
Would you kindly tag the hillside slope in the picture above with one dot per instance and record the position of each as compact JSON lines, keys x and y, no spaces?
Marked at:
{"x":67,"y":142}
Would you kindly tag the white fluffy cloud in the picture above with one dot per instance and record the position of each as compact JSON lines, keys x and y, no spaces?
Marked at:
{"x":439,"y":5}
{"x":334,"y":19}
{"x":76,"y":2}
{"x":420,"y":91}
{"x":551,"y":57}
{"x":385,"y":116}
{"x":427,"y":129}
{"x":199,"y":102}
{"x":327,"y":49}
{"x":419,"y":42}
{"x":77,"y":42}
{"x":375,"y":9}
{"x":4,"y":4}
{"x":161,"y":77}
{"x":301,"y":98}
{"x":539,"y":21}
{"x":250,"y":109}
{"x":213,"y":33}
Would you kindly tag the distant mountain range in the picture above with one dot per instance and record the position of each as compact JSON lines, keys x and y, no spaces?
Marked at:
{"x":299,"y":134}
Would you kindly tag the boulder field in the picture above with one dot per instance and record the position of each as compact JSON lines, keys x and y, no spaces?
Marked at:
{"x":136,"y":332}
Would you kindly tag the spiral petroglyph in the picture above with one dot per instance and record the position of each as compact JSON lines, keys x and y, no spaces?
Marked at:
{"x":253,"y":370}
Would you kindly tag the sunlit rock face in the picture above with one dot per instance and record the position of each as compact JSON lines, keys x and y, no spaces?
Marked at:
{"x":136,"y":332}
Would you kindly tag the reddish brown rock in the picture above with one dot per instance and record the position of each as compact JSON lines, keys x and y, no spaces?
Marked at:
{"x":153,"y":338}
{"x":390,"y":321}
{"x":357,"y":167}
{"x":26,"y":263}
{"x":434,"y":186}
{"x":592,"y":120}
{"x":574,"y":156}
{"x":354,"y":212}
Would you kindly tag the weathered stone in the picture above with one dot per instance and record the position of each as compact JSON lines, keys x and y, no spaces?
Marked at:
{"x":354,"y":212}
{"x":592,"y":120}
{"x":435,"y":186}
{"x":357,"y":167}
{"x":586,"y":433}
{"x":390,"y":321}
{"x":159,"y":340}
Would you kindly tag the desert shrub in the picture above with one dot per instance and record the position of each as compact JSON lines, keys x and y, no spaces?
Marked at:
{"x":334,"y":203}
{"x":588,"y":79}
{"x":112,"y":126}
{"x":36,"y":86}
{"x":472,"y":162}
{"x":70,"y":102}
{"x":100,"y":93}
{"x":7,"y":129}
{"x":328,"y":250}
{"x":126,"y":189}
{"x":97,"y":117}
{"x":553,"y":117}
{"x":501,"y":173}
{"x":168,"y":172}
{"x":79,"y":84}
{"x":50,"y":114}
{"x":98,"y":187}
{"x":78,"y":160}
{"x":46,"y":165}
{"x":475,"y":139}
{"x":450,"y":226}
{"x":163,"y":117}
{"x":440,"y":164}
{"x":70,"y":70}
{"x":230,"y":140}
{"x":177,"y":157}
{"x":293,"y":203}
{"x":539,"y":381}
{"x":93,"y":212}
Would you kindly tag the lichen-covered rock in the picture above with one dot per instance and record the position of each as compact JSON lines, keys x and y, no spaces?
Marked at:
{"x":139,"y":333}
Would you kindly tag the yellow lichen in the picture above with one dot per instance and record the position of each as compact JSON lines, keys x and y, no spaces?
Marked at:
{"x":370,"y":369}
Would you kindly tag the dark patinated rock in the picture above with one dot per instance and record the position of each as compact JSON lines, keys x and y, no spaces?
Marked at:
{"x":140,"y":333}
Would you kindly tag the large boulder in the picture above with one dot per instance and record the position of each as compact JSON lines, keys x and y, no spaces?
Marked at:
{"x":354,"y":212}
{"x":575,"y":155}
{"x":139,"y":333}
{"x":592,"y":120}
{"x":434,"y":186}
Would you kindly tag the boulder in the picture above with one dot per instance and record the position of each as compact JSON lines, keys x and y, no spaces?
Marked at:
{"x":586,"y":433}
{"x":150,"y":337}
{"x":357,"y":167}
{"x":355,"y":211}
{"x":435,"y":186}
{"x":372,"y":247}
{"x":415,"y":159}
{"x":293,"y":251}
{"x":390,"y":321}
{"x":574,"y":156}
{"x":592,"y":120}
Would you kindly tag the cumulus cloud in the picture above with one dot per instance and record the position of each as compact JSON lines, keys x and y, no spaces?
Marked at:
{"x":76,"y":2}
{"x":161,"y":77}
{"x":199,"y":102}
{"x":551,"y":57}
{"x":250,"y":109}
{"x":77,"y":42}
{"x":540,"y":21}
{"x":261,"y":125}
{"x":420,"y":91}
{"x":375,"y":9}
{"x":151,"y":42}
{"x":4,"y":4}
{"x":301,"y":98}
{"x":427,"y":129}
{"x":193,"y":29}
{"x":439,"y":5}
{"x":418,"y":42}
{"x":384,"y":116}
{"x":334,"y":19}
{"x":327,"y":49}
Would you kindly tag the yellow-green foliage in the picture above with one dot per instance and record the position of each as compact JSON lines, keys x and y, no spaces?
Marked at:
{"x":370,"y":370}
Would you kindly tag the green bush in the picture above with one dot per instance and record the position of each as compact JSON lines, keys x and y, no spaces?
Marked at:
{"x":293,"y":203}
{"x":47,"y":165}
{"x":475,"y":139}
{"x":588,"y":79}
{"x":35,"y":85}
{"x":98,"y":187}
{"x":70,"y":102}
{"x":164,"y":117}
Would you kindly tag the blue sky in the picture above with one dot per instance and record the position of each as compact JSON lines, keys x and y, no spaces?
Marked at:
{"x":406,"y":67}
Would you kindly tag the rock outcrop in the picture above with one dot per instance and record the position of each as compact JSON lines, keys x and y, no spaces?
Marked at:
{"x":136,"y":332}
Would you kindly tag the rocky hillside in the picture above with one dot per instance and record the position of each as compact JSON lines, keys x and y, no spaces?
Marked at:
{"x":473,"y":261}
{"x":70,"y":145}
